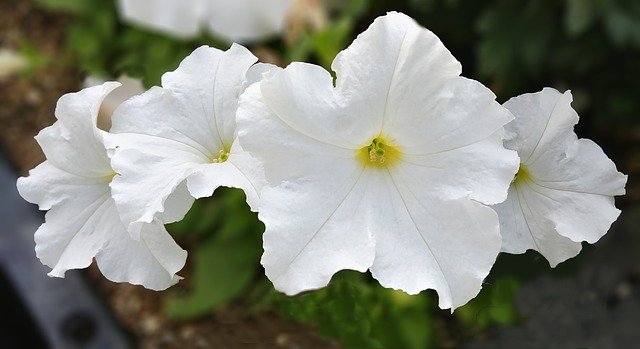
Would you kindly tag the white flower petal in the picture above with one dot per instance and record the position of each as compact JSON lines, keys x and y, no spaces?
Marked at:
{"x":156,"y":256}
{"x":208,"y":83}
{"x":460,"y":113}
{"x":423,"y":242}
{"x":74,"y":231}
{"x":181,"y":19}
{"x":314,"y":227}
{"x":544,"y":122}
{"x":578,"y":216}
{"x":478,"y":171}
{"x":524,"y":228}
{"x":302,"y":95}
{"x":176,"y":205}
{"x":284,"y":151}
{"x":259,"y":70}
{"x":582,"y":167}
{"x":161,"y":114}
{"x":74,"y":144}
{"x":48,"y":186}
{"x":150,"y":171}
{"x":89,"y":226}
{"x":392,"y":60}
{"x":319,"y":237}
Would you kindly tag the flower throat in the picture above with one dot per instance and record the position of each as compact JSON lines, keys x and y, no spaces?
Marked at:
{"x":380,"y":153}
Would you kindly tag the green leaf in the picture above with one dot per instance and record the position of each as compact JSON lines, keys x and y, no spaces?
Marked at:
{"x":361,"y":314}
{"x":69,"y":6}
{"x":623,"y":26}
{"x":493,"y":306}
{"x":579,"y":16}
{"x":227,"y":253}
{"x":223,"y":270}
{"x":330,"y":41}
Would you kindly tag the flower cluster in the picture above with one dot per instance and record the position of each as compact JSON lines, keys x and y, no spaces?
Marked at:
{"x":401,"y":167}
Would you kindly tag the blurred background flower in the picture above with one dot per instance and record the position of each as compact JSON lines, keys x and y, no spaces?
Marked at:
{"x":231,"y":20}
{"x":589,"y":46}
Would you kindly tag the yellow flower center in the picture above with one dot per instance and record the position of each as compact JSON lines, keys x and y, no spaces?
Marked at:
{"x":381,"y":153}
{"x":109,"y":177}
{"x":521,"y":175}
{"x":223,"y":155}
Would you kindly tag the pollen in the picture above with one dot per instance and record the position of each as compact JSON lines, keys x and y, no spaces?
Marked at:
{"x":381,"y":153}
{"x":223,"y":155}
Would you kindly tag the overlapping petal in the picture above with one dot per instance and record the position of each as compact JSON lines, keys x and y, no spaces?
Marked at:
{"x":82,"y":222}
{"x":564,"y":194}
{"x":523,"y":228}
{"x":180,"y":138}
{"x":414,"y":223}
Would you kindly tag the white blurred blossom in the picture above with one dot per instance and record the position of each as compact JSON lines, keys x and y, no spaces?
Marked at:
{"x":232,"y":20}
{"x":11,"y":62}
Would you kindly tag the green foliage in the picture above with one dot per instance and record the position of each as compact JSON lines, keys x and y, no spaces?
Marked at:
{"x":589,"y":46}
{"x":502,"y":52}
{"x":361,"y":314}
{"x":103,"y":46}
{"x":225,"y":261}
{"x":107,"y":48}
{"x":67,"y":6}
{"x":35,"y":58}
{"x":323,"y":45}
{"x":493,"y":306}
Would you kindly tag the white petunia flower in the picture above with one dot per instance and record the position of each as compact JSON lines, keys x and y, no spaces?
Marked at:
{"x":563,"y":192}
{"x":233,"y":20}
{"x":178,"y":142}
{"x":386,"y":171}
{"x":82,"y":222}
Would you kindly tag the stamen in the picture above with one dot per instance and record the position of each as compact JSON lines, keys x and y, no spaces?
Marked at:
{"x":380,"y":153}
{"x":223,"y":156}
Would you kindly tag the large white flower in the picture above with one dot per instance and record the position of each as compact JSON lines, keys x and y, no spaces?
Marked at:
{"x":82,"y":222}
{"x":386,"y":171}
{"x":233,"y":20}
{"x":178,"y":142}
{"x":563,"y":192}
